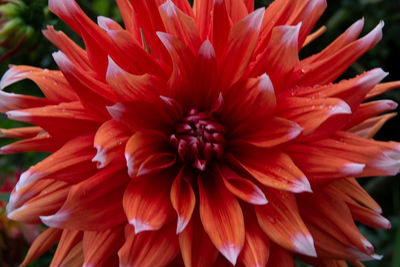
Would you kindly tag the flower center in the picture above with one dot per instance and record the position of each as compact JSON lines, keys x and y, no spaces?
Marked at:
{"x":198,"y":139}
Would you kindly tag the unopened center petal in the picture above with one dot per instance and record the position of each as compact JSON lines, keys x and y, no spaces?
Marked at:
{"x":199,"y":139}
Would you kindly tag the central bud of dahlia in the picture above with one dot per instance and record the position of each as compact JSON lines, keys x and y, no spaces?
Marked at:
{"x":198,"y":139}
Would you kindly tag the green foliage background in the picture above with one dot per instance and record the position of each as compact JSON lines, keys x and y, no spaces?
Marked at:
{"x":339,"y":15}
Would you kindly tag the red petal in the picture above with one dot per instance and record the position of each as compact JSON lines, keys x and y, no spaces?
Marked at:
{"x":69,"y":240}
{"x":370,"y":127}
{"x":147,"y":17}
{"x":221,"y":216}
{"x":271,"y":132}
{"x":154,"y":115}
{"x":11,"y":101}
{"x":128,"y":17}
{"x":20,"y":133}
{"x":370,"y":110}
{"x":96,"y":40}
{"x":74,"y":52}
{"x":249,"y":5}
{"x":42,"y":143}
{"x":203,"y":12}
{"x":52,"y":83}
{"x":138,"y":61}
{"x":129,"y":87}
{"x":220,"y":25}
{"x":69,"y":163}
{"x":242,"y":187}
{"x":272,"y":169}
{"x":378,"y":158}
{"x":20,"y":197}
{"x":196,"y":247}
{"x":351,"y":189}
{"x":97,"y":199}
{"x":331,"y":67}
{"x":65,"y":120}
{"x":203,"y":91}
{"x":313,"y":36}
{"x":42,"y":243}
{"x":249,"y":102}
{"x":256,"y":250}
{"x":147,"y":152}
{"x":330,"y":214}
{"x":368,"y":217}
{"x":281,"y":221}
{"x":242,"y":40}
{"x":182,"y":63}
{"x":382,"y":88}
{"x":311,"y":114}
{"x":280,"y":57}
{"x":280,"y":257}
{"x":180,"y":25}
{"x":147,"y":202}
{"x":93,"y":93}
{"x":110,"y":140}
{"x":46,"y":202}
{"x":99,"y":247}
{"x":148,"y":249}
{"x":237,"y":10}
{"x":183,"y":199}
{"x":307,"y":12}
{"x":353,"y":91}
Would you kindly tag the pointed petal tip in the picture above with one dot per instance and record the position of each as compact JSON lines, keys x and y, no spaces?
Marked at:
{"x":207,"y":50}
{"x":304,"y":244}
{"x":377,"y":257}
{"x":372,"y":77}
{"x":302,"y":185}
{"x":340,"y":108}
{"x":55,"y":220}
{"x":17,"y":114}
{"x":231,"y":252}
{"x":141,"y":226}
{"x":26,"y":179}
{"x":384,"y":222}
{"x":369,"y":248}
{"x":259,"y":200}
{"x":113,"y":70}
{"x":181,"y":224}
{"x":10,"y":76}
{"x":99,"y":158}
{"x":255,"y":18}
{"x":352,"y":168}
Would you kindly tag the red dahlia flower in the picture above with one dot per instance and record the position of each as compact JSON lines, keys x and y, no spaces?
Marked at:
{"x":197,"y":137}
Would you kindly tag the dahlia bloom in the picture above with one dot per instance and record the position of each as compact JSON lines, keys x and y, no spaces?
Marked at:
{"x":196,"y":136}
